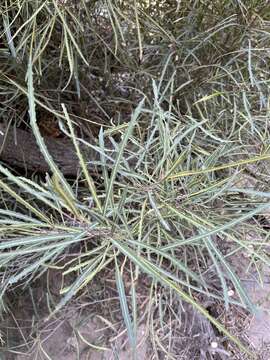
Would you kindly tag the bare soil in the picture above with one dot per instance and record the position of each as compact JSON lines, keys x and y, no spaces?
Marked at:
{"x":85,"y":329}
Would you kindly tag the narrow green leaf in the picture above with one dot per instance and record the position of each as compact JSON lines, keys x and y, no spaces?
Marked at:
{"x":124,"y":307}
{"x":120,"y":154}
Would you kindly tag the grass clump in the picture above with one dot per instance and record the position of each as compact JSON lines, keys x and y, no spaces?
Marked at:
{"x":175,"y":99}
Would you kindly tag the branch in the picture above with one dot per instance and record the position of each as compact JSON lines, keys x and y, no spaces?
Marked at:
{"x":20,"y":149}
